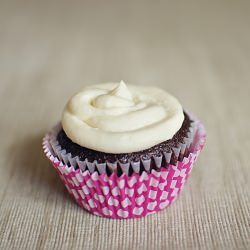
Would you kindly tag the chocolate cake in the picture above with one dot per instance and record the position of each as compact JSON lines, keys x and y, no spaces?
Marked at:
{"x":101,"y":157}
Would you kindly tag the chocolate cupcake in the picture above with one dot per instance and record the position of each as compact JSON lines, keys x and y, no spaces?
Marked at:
{"x":112,"y":134}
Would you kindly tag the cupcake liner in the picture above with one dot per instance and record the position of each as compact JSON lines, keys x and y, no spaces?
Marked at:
{"x":177,"y":153}
{"x":124,"y":197}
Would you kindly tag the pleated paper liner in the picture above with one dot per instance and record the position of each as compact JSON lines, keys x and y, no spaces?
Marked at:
{"x":155,"y":162}
{"x":123,"y":197}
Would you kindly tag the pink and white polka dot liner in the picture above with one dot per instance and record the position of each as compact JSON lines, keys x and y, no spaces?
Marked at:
{"x":127,"y":197}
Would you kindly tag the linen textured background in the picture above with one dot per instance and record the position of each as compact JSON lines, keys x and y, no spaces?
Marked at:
{"x":197,"y":50}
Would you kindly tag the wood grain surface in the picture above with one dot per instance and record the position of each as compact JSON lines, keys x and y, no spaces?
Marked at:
{"x":197,"y":50}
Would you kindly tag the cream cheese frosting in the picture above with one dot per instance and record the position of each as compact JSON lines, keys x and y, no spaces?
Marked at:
{"x":120,"y":118}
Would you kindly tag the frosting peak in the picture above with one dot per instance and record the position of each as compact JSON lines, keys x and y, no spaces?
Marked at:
{"x":120,"y":118}
{"x":122,"y":91}
{"x":119,"y":96}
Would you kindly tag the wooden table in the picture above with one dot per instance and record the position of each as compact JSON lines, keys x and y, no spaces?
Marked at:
{"x":199,"y":51}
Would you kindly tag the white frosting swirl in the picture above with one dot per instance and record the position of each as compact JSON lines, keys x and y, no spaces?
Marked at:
{"x":120,"y":118}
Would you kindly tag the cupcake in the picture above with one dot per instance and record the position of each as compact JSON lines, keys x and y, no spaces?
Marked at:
{"x":124,"y":151}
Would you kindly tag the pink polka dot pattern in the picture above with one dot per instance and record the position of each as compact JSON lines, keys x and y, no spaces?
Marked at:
{"x":127,"y":197}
